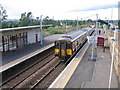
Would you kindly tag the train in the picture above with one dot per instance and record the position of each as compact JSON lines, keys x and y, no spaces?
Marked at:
{"x":67,"y":45}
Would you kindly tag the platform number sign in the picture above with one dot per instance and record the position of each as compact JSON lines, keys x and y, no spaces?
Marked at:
{"x":92,"y":39}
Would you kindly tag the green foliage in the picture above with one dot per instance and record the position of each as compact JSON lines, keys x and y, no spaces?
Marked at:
{"x":85,"y":25}
{"x":26,"y":19}
{"x":89,"y":20}
{"x":101,"y":25}
{"x":55,"y":30}
{"x":3,"y":13}
{"x":10,"y":24}
{"x":119,"y":24}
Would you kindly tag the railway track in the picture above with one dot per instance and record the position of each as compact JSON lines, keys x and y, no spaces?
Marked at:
{"x":19,"y":68}
{"x":38,"y":78}
{"x":19,"y":77}
{"x":42,"y":81}
{"x":38,"y":75}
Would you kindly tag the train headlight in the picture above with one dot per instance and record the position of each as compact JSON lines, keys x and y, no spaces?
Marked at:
{"x":56,"y":51}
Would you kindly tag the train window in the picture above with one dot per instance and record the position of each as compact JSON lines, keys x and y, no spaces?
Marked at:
{"x":68,"y":45}
{"x":77,"y":43}
{"x":63,"y":45}
{"x":57,"y":44}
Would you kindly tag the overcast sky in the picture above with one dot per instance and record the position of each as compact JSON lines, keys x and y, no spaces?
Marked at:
{"x":62,"y":9}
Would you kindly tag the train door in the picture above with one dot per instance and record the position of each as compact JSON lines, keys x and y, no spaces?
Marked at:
{"x":57,"y":48}
{"x":69,"y":49}
{"x":63,"y":49}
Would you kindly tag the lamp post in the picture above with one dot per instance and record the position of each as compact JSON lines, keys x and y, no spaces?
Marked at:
{"x":41,"y":31}
{"x":94,"y":44}
{"x":77,"y":24}
{"x":96,"y":24}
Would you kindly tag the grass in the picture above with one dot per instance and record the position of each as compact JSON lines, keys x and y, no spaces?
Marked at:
{"x":55,"y":30}
{"x":60,"y":30}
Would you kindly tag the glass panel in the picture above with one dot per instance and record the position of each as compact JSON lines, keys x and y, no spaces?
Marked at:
{"x":68,"y":45}
{"x":63,"y":45}
{"x":57,"y":44}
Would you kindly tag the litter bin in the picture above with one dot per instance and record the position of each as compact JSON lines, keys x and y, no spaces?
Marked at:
{"x":100,"y":41}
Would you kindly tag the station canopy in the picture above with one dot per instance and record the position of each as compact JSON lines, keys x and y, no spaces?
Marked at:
{"x":103,"y":22}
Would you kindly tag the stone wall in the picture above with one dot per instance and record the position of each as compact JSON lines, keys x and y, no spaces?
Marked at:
{"x":110,"y":34}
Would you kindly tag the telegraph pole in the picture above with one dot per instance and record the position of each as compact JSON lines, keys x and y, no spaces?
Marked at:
{"x":96,"y":24}
{"x":81,"y":24}
{"x":77,"y":24}
{"x":94,"y":45}
{"x":41,"y":31}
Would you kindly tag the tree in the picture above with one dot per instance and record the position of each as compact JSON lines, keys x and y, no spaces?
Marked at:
{"x":89,"y":20}
{"x":3,"y":15}
{"x":47,"y":17}
{"x":25,"y":20}
{"x":37,"y":18}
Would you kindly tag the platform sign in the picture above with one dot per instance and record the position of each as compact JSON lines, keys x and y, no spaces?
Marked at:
{"x":92,"y":39}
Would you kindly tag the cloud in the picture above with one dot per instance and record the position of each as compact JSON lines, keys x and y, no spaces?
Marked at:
{"x":60,"y":9}
{"x":96,"y":8}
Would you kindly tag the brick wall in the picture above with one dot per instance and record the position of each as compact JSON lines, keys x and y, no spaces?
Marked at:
{"x":110,"y":34}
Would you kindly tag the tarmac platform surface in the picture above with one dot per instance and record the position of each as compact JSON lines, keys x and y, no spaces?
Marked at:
{"x":93,"y":74}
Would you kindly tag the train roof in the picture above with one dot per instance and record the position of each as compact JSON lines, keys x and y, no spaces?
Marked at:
{"x":74,"y":35}
{"x":67,"y":39}
{"x":79,"y":32}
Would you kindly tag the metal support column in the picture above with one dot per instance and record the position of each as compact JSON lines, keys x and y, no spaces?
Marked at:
{"x":41,"y":31}
{"x":8,"y":42}
{"x":12,"y":41}
{"x":94,"y":44}
{"x":26,"y":39}
{"x":3,"y":44}
{"x":77,"y":24}
{"x":23,"y":39}
{"x":16,"y":41}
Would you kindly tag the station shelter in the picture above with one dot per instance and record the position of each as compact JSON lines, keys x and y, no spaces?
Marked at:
{"x":13,"y":38}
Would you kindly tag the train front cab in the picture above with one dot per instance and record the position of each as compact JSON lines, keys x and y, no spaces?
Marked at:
{"x":63,"y":49}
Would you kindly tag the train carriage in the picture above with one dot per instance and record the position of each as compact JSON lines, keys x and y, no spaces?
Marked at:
{"x":66,"y":46}
{"x":63,"y":48}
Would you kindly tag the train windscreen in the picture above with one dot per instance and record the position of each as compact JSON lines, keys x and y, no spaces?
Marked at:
{"x":63,"y":48}
{"x":57,"y":44}
{"x":69,"y":45}
{"x":63,"y":45}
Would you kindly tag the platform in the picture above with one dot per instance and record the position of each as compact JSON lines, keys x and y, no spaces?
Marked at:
{"x":88,"y":73}
{"x":93,"y":74}
{"x":12,"y":58}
